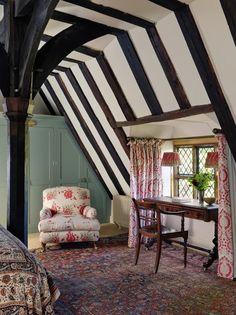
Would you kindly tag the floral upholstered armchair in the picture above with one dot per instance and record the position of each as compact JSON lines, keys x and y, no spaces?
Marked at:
{"x":67,"y":216}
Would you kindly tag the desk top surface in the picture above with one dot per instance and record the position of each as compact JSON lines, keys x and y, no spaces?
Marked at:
{"x":194,"y":203}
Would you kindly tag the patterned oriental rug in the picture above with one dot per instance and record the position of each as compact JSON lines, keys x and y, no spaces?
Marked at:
{"x":105,"y":282}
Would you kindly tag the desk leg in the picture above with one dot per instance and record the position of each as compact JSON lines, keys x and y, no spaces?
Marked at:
{"x":214,"y":253}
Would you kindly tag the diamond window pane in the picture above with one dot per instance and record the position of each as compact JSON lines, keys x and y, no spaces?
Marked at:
{"x":186,"y":156}
{"x":184,"y":189}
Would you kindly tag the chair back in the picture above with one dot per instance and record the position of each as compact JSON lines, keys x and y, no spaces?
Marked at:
{"x":148,"y":217}
{"x":67,"y":200}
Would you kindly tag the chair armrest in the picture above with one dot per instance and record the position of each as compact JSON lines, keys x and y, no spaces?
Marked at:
{"x":88,"y":212}
{"x":173,"y":212}
{"x":45,"y":213}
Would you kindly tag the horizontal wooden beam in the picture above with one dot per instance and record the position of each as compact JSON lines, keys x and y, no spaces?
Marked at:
{"x":175,"y":114}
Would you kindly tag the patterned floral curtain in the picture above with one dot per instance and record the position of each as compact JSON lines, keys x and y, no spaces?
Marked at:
{"x":145,"y":176}
{"x":225,"y":238}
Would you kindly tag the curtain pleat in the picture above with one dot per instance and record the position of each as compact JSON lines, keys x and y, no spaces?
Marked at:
{"x":226,"y":217}
{"x":145,"y":176}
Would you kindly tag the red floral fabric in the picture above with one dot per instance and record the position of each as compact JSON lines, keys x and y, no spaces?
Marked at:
{"x":145,"y":176}
{"x":225,"y":241}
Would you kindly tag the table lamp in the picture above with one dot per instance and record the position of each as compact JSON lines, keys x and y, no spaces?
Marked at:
{"x":171,"y":159}
{"x":212,"y":160}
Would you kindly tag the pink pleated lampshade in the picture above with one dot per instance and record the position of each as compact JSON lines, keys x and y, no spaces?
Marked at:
{"x":170,"y":159}
{"x":212,"y":160}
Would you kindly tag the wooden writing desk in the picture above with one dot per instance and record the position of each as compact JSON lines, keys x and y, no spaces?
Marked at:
{"x":193,"y":210}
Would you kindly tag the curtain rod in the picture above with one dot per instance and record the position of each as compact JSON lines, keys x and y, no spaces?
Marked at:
{"x":183,"y":138}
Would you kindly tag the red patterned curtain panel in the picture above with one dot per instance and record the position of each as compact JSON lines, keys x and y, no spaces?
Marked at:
{"x":225,"y":227}
{"x":145,"y":175}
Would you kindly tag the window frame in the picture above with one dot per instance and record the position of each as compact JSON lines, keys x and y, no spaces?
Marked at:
{"x":195,"y":144}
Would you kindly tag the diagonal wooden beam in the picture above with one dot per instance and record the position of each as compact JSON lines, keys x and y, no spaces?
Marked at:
{"x":47,"y":103}
{"x":139,"y":72}
{"x":39,"y":18}
{"x":97,"y":124}
{"x":102,"y":103}
{"x":110,"y":77}
{"x":50,"y":55}
{"x":23,"y":7}
{"x":133,"y":61}
{"x":172,"y":115}
{"x":229,"y":8}
{"x":207,"y":74}
{"x":75,"y":134}
{"x":172,"y":5}
{"x":156,"y":42}
{"x":89,"y":135}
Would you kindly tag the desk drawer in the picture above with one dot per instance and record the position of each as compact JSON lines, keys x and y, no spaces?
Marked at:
{"x":189,"y":212}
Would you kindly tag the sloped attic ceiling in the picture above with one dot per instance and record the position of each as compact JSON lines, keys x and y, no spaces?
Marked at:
{"x":157,"y":62}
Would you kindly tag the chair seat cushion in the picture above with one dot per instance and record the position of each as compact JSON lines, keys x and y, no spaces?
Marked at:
{"x":60,"y":222}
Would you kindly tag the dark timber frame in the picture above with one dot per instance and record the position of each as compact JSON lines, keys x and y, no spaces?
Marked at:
{"x":156,"y":42}
{"x":84,"y":101}
{"x":75,"y":134}
{"x":89,"y":134}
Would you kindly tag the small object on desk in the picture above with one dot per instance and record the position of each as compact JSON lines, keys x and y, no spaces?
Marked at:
{"x":180,"y":199}
{"x":209,"y":201}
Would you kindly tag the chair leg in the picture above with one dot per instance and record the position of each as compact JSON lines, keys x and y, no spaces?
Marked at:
{"x":158,"y":253}
{"x":95,"y":245}
{"x":137,"y":249}
{"x":43,"y":246}
{"x":185,"y":251}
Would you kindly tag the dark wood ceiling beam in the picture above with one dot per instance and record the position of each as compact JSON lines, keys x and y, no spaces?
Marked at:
{"x":89,"y":135}
{"x":156,"y":42}
{"x":172,"y":115}
{"x":39,"y":18}
{"x":133,"y":61}
{"x":229,"y":8}
{"x":23,"y":7}
{"x":172,"y":5}
{"x":168,"y":68}
{"x":207,"y":74}
{"x":97,"y":124}
{"x":4,"y":72}
{"x":139,"y":72}
{"x":110,"y":77}
{"x":102,"y":103}
{"x":75,"y":134}
{"x":58,"y":47}
{"x":47,"y":103}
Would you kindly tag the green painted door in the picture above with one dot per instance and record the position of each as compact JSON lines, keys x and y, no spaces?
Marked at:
{"x":55,"y":159}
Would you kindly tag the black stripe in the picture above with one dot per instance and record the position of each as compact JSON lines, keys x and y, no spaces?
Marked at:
{"x":75,"y":134}
{"x":89,"y":135}
{"x":207,"y":74}
{"x":98,"y":125}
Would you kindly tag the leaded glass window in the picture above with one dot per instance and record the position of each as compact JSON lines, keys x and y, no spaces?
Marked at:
{"x":193,"y":157}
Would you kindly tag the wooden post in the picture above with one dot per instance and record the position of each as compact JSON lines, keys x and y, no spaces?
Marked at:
{"x":17,"y":219}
